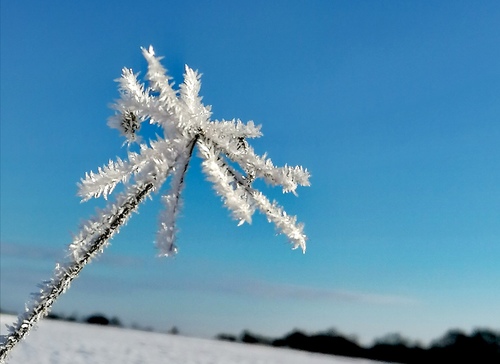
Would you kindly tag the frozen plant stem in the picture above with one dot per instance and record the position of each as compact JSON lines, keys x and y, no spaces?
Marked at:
{"x":63,"y":276}
{"x":186,"y":123}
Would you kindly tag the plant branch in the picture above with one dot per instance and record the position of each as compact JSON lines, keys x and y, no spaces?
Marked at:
{"x":64,"y":275}
{"x":165,"y":241}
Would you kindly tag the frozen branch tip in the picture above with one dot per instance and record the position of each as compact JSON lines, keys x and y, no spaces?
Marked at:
{"x":186,"y":123}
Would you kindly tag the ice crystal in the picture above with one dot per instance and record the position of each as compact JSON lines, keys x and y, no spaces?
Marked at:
{"x":186,"y":123}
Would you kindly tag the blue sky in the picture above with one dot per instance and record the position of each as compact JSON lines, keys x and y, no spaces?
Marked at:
{"x":393,"y":106}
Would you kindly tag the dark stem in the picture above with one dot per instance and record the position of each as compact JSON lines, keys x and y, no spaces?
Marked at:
{"x":184,"y":170}
{"x":177,"y":195}
{"x":243,"y":181}
{"x":63,"y":277}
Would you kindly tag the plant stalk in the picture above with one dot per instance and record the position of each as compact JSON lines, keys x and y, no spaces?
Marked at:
{"x":64,"y":275}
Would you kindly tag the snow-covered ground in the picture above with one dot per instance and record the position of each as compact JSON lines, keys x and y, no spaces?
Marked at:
{"x":58,"y":342}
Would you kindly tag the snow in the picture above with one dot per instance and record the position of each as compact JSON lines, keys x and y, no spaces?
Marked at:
{"x":59,"y":342}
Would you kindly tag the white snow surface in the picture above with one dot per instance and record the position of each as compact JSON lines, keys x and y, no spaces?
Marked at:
{"x":58,"y":342}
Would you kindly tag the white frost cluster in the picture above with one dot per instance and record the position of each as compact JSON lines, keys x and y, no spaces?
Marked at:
{"x":186,"y":124}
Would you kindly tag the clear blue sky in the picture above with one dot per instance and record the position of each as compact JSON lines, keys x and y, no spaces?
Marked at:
{"x":394,"y":107}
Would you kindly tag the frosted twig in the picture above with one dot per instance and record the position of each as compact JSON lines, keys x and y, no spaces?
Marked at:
{"x":186,"y":123}
{"x":64,"y":274}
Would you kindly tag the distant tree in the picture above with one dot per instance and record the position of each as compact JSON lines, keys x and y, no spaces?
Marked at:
{"x":328,"y":342}
{"x":54,"y":316}
{"x":97,"y":319}
{"x":295,"y":340}
{"x":250,"y":338}
{"x":338,"y":345}
{"x":450,"y":338}
{"x":392,"y":339}
{"x":226,"y":337}
{"x":395,"y":348}
{"x":482,"y":346}
{"x":72,"y":318}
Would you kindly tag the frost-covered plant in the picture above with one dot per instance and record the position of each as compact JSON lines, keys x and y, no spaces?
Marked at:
{"x":229,"y":162}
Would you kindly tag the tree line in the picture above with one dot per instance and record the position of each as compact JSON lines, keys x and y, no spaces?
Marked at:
{"x":481,"y":346}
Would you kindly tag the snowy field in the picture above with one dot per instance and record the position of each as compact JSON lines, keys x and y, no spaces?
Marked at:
{"x":58,"y":342}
